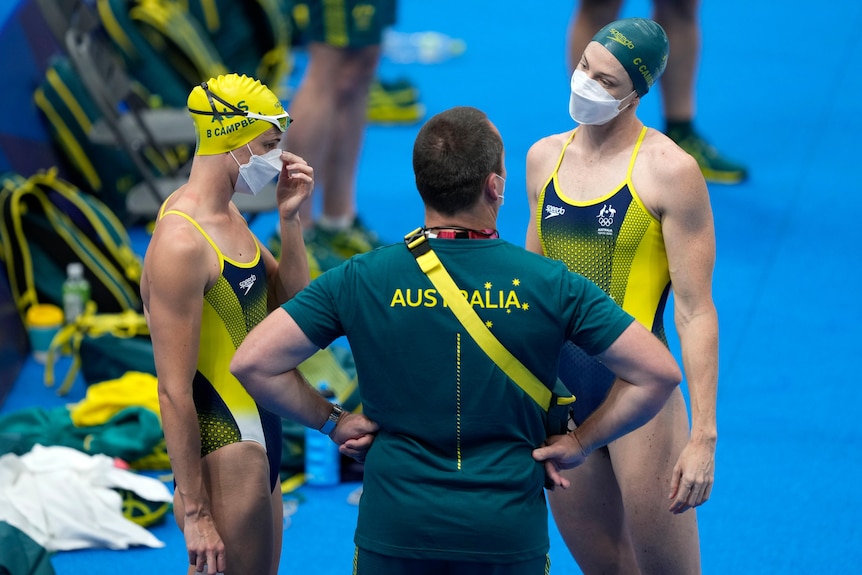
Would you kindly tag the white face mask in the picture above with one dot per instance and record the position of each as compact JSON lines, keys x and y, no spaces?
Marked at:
{"x":502,"y":189}
{"x":590,"y":103}
{"x":258,"y":172}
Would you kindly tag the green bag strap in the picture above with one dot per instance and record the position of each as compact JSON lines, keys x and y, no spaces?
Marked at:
{"x":115,"y":29}
{"x":12,"y":235}
{"x":211,"y":20}
{"x":429,"y":263}
{"x":90,"y":324}
{"x":275,"y":64}
{"x":64,"y":132}
{"x":67,"y":341}
{"x":107,"y":226}
{"x":9,"y":182}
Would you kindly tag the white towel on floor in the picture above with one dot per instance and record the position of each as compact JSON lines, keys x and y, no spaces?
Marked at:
{"x":63,"y":499}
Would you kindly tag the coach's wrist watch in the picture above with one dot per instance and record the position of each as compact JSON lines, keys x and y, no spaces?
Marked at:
{"x":332,"y":420}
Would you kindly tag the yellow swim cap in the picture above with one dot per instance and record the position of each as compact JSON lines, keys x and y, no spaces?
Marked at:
{"x":232,"y":110}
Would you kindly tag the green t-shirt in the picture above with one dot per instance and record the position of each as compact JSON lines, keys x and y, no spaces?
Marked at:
{"x":450,"y":474}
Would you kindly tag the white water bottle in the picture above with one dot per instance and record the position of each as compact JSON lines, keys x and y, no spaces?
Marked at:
{"x":422,"y":47}
{"x":322,"y":459}
{"x":76,"y":292}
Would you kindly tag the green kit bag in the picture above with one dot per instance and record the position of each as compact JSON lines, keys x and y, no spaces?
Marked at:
{"x":47,"y":223}
{"x":252,"y":37}
{"x":163,"y":45}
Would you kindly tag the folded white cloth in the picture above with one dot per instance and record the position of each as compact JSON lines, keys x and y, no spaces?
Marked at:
{"x":64,"y":499}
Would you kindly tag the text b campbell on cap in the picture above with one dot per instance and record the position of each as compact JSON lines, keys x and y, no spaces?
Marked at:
{"x":640,"y":45}
{"x":232,"y":110}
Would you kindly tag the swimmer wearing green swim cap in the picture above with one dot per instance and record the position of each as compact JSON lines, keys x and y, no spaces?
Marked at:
{"x":624,"y":205}
{"x":641,"y":47}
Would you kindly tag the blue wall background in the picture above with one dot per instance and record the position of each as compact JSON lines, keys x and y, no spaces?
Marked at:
{"x":27,"y":45}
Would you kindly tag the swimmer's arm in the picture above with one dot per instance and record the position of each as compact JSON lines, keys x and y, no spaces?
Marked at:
{"x":290,"y":273}
{"x":265,"y":364}
{"x":689,"y":236}
{"x":174,"y":302}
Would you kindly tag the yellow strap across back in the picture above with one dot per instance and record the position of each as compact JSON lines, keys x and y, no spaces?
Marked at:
{"x":511,"y":366}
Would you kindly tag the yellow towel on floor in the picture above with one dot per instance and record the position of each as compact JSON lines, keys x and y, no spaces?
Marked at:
{"x":107,"y":398}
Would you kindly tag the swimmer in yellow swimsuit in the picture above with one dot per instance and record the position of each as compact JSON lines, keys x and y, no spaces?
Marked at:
{"x":623,"y":205}
{"x":207,"y":281}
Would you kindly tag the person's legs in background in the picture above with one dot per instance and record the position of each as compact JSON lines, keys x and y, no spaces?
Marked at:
{"x":330,"y":109}
{"x":587,"y":19}
{"x":679,"y":18}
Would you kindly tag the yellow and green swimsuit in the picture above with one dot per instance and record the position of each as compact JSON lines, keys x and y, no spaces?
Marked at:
{"x":232,"y":307}
{"x":616,"y":243}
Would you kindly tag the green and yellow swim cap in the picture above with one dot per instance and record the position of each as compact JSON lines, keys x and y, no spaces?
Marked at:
{"x":640,"y":45}
{"x":231,"y":110}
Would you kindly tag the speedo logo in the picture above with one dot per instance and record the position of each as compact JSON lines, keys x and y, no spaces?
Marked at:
{"x":553,"y":211}
{"x":620,"y":38}
{"x":248,"y":283}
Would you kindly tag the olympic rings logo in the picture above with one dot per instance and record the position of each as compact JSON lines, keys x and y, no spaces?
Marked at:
{"x":606,"y":216}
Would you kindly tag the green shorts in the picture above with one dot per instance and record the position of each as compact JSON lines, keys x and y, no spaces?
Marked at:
{"x":342,"y":23}
{"x":369,"y":563}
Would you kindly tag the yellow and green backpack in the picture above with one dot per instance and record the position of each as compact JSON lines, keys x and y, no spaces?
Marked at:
{"x":45,"y":224}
